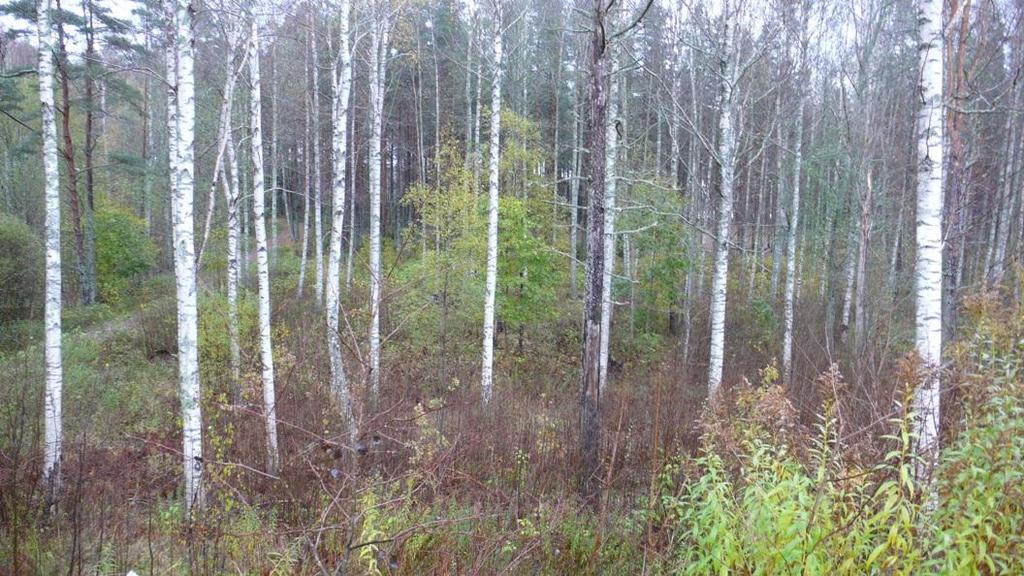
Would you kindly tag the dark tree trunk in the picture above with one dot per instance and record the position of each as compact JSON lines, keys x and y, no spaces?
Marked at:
{"x":590,"y":407}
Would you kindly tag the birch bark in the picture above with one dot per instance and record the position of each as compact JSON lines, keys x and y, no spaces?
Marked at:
{"x":611,"y":140}
{"x":182,"y":146}
{"x":318,"y":232}
{"x":794,"y":225}
{"x":727,"y":158}
{"x":52,"y":411}
{"x":262,"y":263}
{"x":487,"y":376}
{"x":378,"y":67}
{"x":341,"y":85}
{"x":928,"y":288}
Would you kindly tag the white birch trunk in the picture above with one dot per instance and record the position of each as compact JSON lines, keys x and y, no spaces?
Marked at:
{"x":351,"y":200}
{"x":223,"y":127}
{"x":928,"y":287}
{"x":183,"y":189}
{"x":274,"y":160}
{"x":610,"y":175}
{"x":493,"y":181}
{"x":52,"y":415}
{"x":998,"y":265}
{"x":309,"y":169}
{"x":791,"y":265}
{"x":262,"y":263}
{"x":780,"y":211}
{"x":318,"y":232}
{"x":378,"y":66}
{"x":232,"y":191}
{"x":232,"y":194}
{"x":574,"y":194}
{"x":791,"y":293}
{"x":851,"y":278}
{"x":727,"y":156}
{"x":860,"y":296}
{"x":339,"y":115}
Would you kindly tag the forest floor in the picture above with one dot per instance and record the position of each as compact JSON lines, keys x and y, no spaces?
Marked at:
{"x":450,"y":488}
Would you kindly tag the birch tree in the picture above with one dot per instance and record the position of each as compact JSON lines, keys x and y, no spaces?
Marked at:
{"x":341,"y":82}
{"x":727,"y":167}
{"x":181,"y":116}
{"x":493,"y":182}
{"x":262,"y":263}
{"x":317,"y":182}
{"x":928,"y":281}
{"x":794,"y":209}
{"x":378,"y":67}
{"x":307,"y":146}
{"x":53,"y":415}
{"x":607,"y":304}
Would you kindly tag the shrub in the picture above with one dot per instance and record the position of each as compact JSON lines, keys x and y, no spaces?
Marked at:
{"x":22,"y":267}
{"x":124,"y":252}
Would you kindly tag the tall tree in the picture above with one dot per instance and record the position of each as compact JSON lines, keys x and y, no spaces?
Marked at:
{"x":318,"y":232}
{"x":379,"y":33}
{"x":86,"y":274}
{"x":789,"y":296}
{"x":262,"y":261}
{"x":341,"y":82}
{"x":727,"y":166}
{"x":53,"y":415}
{"x":610,"y":175}
{"x":493,"y":182}
{"x":181,"y":117}
{"x":597,"y":134}
{"x":928,"y":282}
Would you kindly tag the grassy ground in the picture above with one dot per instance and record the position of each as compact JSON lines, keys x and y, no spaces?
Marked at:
{"x":447,"y":487}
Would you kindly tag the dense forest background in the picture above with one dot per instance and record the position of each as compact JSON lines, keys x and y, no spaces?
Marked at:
{"x":511,"y":286}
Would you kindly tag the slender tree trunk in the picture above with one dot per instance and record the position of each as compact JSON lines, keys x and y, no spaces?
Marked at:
{"x":339,"y":113}
{"x":860,"y":306}
{"x":262,"y":261}
{"x":310,"y":57}
{"x":610,"y":175}
{"x":727,"y":165}
{"x":182,"y":116}
{"x":694,"y":287}
{"x":233,"y":194}
{"x":755,"y":251}
{"x":52,"y":412}
{"x":437,"y":111}
{"x":71,"y":174}
{"x":274,"y":160}
{"x":90,"y":290}
{"x":574,"y":192}
{"x":147,"y":154}
{"x":223,"y":129}
{"x":378,"y":67}
{"x":493,"y":181}
{"x":477,"y":147}
{"x":929,"y":234}
{"x":794,"y":224}
{"x":351,"y":154}
{"x":318,"y":233}
{"x":1005,"y":208}
{"x":470,"y":36}
{"x":556,"y":148}
{"x":780,"y":211}
{"x":590,"y":389}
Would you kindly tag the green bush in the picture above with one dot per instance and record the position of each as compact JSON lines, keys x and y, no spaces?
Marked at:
{"x":124,"y":252}
{"x":22,"y":268}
